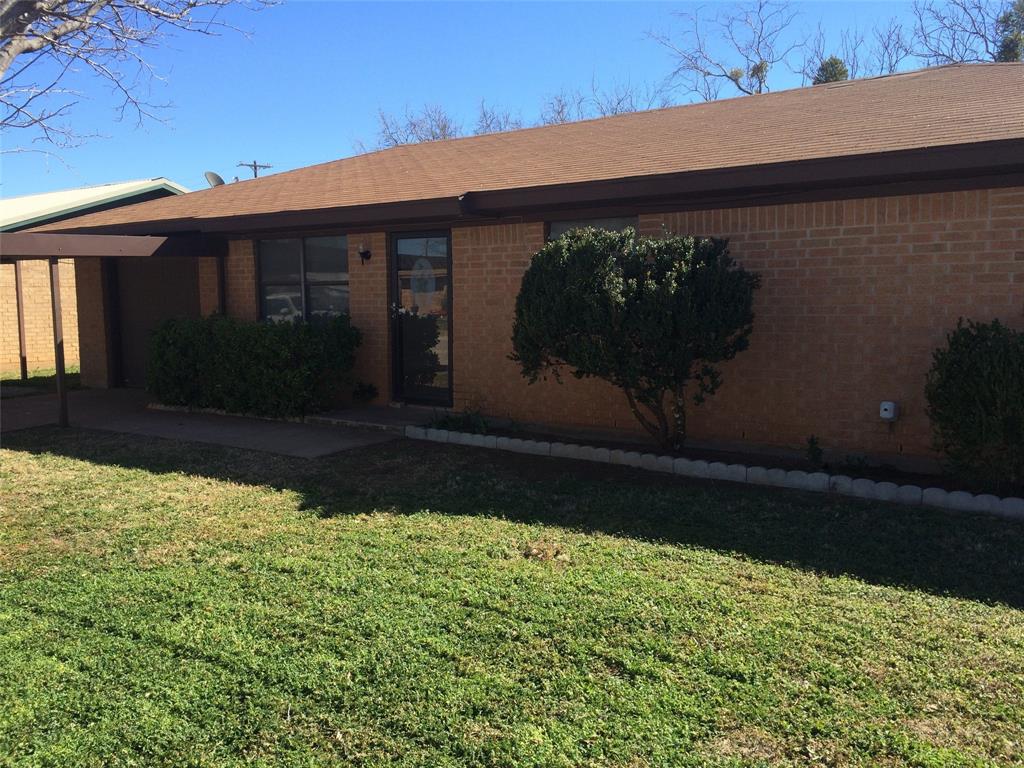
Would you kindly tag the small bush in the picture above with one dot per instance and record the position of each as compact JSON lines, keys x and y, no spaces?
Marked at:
{"x":975,"y":392}
{"x":268,"y":369}
{"x":364,"y":392}
{"x":467,"y":421}
{"x":815,"y":454}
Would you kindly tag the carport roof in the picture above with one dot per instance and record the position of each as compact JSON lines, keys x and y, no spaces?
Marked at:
{"x":25,"y":210}
{"x":26,"y":246}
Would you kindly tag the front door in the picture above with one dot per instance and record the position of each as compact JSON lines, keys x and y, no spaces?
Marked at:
{"x":421,"y":317}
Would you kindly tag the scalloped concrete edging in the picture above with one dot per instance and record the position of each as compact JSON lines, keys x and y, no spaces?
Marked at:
{"x":819,"y":482}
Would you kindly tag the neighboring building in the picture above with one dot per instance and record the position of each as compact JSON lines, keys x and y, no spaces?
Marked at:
{"x":877,"y":211}
{"x":19,"y":213}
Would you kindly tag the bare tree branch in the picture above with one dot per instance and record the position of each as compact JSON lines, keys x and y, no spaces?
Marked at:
{"x":813,"y":54}
{"x":957,"y":31}
{"x":622,"y":98}
{"x":568,"y":106}
{"x":757,"y":37}
{"x":44,"y":42}
{"x":880,"y":51}
{"x":851,"y":43}
{"x":493,"y":120}
{"x":564,"y":107}
{"x":890,"y":47}
{"x":431,"y":123}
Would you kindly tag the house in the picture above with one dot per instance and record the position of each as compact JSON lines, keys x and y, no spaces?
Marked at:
{"x":26,"y":324}
{"x":877,"y":211}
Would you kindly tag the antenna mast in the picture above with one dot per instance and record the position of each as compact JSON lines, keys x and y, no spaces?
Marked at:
{"x":254,"y":167}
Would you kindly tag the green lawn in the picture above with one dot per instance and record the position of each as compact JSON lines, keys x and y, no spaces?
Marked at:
{"x":407,"y":604}
{"x":42,"y":378}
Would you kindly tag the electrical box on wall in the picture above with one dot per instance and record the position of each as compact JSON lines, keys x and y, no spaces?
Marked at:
{"x":888,"y":410}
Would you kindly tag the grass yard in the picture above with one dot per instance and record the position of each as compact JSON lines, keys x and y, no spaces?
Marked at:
{"x":173,"y":604}
{"x":43,"y":379}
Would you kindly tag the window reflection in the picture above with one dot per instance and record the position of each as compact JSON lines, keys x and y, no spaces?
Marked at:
{"x":303,"y":277}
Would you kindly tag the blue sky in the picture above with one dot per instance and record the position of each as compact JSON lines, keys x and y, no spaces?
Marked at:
{"x":306,"y":85}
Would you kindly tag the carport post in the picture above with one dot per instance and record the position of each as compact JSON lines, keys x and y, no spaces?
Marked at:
{"x":58,"y":341}
{"x":19,"y":298}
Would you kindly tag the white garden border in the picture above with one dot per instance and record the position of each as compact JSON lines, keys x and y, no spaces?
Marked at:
{"x":961,"y":501}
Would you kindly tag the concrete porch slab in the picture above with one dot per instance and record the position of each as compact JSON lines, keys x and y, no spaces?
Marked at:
{"x":124,"y":410}
{"x":388,"y":418}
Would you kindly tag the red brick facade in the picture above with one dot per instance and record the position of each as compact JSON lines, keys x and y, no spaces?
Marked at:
{"x":368,"y":286}
{"x":855,"y":295}
{"x":240,"y":297}
{"x":209,"y":287}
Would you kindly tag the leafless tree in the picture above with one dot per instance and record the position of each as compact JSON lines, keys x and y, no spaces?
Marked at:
{"x":890,"y":47}
{"x":757,"y":38}
{"x":816,"y":50}
{"x":627,"y":97}
{"x":494,"y":120}
{"x":568,"y":106}
{"x":851,"y":48}
{"x":46,"y":45}
{"x":431,"y":123}
{"x":959,"y":31}
{"x":881,"y":50}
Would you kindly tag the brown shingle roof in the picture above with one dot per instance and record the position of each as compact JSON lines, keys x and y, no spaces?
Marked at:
{"x":942,"y":106}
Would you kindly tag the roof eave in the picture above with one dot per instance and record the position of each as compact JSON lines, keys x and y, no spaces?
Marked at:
{"x":748,"y":183}
{"x":844,"y":176}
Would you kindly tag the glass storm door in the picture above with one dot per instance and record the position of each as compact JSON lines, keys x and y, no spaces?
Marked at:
{"x":421,"y":311}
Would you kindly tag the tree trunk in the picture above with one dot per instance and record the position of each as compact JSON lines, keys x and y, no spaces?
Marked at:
{"x":678,"y":418}
{"x":659,"y":431}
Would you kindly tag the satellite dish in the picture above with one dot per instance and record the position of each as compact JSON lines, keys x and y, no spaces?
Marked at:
{"x":213,"y":179}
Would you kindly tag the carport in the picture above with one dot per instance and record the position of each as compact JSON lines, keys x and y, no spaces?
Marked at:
{"x":16,"y":247}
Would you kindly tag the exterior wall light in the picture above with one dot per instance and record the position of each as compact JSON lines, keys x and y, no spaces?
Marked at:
{"x":364,"y":253}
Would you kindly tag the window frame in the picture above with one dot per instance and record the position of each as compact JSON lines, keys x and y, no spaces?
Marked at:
{"x":304,"y":282}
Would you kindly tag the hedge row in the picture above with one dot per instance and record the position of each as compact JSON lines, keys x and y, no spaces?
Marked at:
{"x":268,"y":369}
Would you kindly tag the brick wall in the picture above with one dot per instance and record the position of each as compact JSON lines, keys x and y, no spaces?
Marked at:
{"x":208,"y":286}
{"x":855,"y":295}
{"x":368,"y":307}
{"x":92,"y":323}
{"x":38,"y":315}
{"x":240,"y":295}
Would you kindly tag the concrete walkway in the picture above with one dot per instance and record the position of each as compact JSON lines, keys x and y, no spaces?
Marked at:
{"x":124,"y":410}
{"x":391,"y":418}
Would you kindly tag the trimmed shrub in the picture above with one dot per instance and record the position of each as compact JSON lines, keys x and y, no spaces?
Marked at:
{"x":975,"y":392}
{"x":364,"y":392}
{"x":652,"y":316}
{"x":267,"y":369}
{"x":466,"y":421}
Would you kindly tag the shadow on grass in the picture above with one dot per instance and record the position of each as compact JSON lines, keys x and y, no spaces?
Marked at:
{"x":43,"y":379}
{"x":972,"y":556}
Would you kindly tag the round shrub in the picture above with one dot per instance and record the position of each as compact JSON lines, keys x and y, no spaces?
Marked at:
{"x":975,"y":393}
{"x":653,"y":316}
